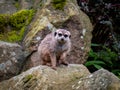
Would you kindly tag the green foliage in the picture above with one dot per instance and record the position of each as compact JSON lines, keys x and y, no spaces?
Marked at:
{"x":107,"y":55}
{"x":97,"y":64}
{"x":105,"y":58}
{"x":59,"y":4}
{"x":17,"y":23}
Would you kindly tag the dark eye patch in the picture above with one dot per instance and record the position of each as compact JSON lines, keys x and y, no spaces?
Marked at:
{"x":59,"y":34}
{"x":65,"y":35}
{"x":55,"y":33}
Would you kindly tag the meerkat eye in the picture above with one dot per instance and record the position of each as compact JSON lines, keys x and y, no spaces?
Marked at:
{"x":59,"y":34}
{"x":65,"y":35}
{"x":55,"y":33}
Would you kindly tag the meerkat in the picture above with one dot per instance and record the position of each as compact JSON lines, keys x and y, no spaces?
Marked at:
{"x":54,"y":48}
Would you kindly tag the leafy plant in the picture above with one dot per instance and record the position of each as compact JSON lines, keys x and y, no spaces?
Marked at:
{"x":104,"y":58}
{"x":96,"y":64}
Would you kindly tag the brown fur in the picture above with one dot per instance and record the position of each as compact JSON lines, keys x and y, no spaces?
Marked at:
{"x":53,"y":51}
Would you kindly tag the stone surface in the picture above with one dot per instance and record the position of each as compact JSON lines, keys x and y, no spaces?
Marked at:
{"x":73,"y":77}
{"x":45,"y":78}
{"x":48,"y":19}
{"x":28,"y":4}
{"x":11,"y":59}
{"x":31,"y":61}
{"x":99,"y":80}
{"x":7,"y":6}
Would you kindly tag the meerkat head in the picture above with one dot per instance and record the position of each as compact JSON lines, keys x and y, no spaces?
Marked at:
{"x":62,"y":35}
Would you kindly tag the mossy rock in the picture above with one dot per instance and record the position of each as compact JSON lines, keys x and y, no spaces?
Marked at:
{"x":17,"y":23}
{"x":27,"y":78}
{"x":4,"y":20}
{"x":21,"y":18}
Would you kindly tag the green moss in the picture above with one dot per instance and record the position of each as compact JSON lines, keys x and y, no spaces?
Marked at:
{"x":59,"y":4}
{"x":17,"y":23}
{"x":4,"y":20}
{"x":21,"y":18}
{"x":13,"y":36}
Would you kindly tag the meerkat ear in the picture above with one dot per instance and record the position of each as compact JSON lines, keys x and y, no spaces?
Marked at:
{"x":69,"y":36}
{"x":55,"y":33}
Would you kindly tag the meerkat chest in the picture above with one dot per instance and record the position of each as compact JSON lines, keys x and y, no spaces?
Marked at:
{"x":60,"y":49}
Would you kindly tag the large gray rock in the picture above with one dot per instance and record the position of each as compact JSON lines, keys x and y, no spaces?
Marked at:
{"x":7,"y":6}
{"x":28,"y":4}
{"x":73,"y":77}
{"x":11,"y":59}
{"x":48,"y":19}
{"x":45,"y":78}
{"x":99,"y":80}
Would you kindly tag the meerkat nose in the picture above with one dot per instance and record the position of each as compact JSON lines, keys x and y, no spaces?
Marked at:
{"x":62,"y":39}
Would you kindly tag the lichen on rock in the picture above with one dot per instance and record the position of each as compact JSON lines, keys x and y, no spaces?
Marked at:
{"x":59,"y":4}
